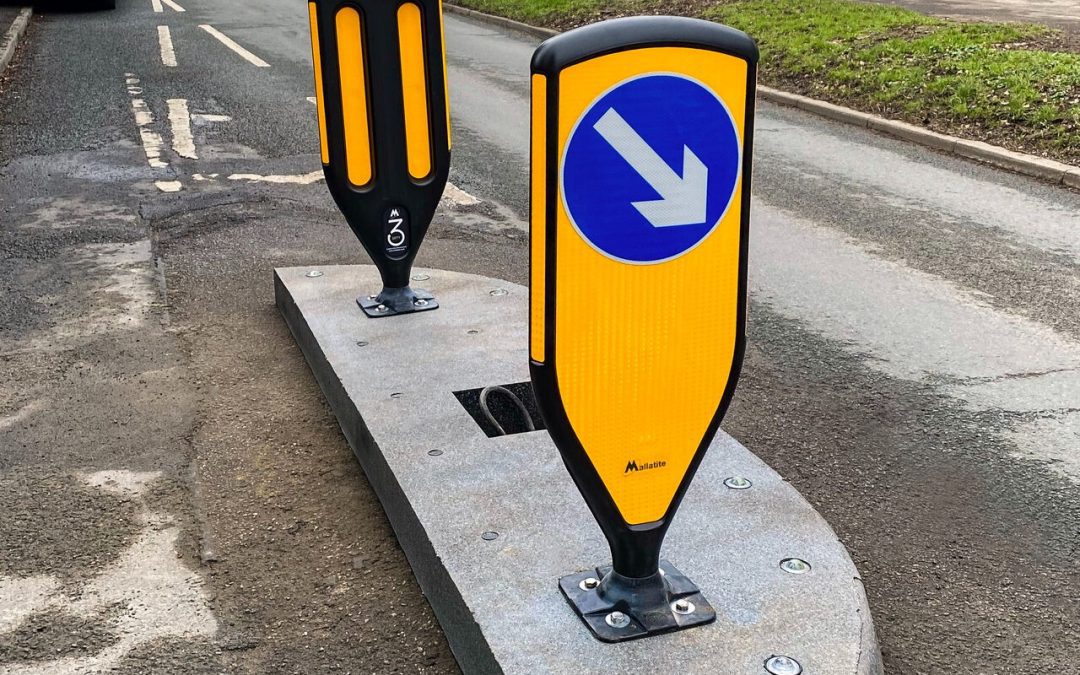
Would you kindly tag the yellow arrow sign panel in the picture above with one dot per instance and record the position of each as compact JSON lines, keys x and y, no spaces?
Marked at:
{"x":638,"y":274}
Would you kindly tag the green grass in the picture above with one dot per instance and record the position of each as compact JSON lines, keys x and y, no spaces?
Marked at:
{"x":994,"y":82}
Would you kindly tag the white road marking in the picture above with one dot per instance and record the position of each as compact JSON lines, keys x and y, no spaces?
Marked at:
{"x":305,"y":179}
{"x":919,"y":327}
{"x":146,"y":595}
{"x":11,"y":420}
{"x":168,"y":54}
{"x":458,"y":197}
{"x":231,"y":44}
{"x":151,"y":140}
{"x":21,"y":598}
{"x":122,"y":483}
{"x":174,"y":6}
{"x":312,"y":100}
{"x":169,"y":185}
{"x":180,"y":120}
{"x":895,"y":179}
{"x":203,"y":118}
{"x":157,"y":6}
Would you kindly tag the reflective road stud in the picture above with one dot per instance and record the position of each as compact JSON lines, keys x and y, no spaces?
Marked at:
{"x":384,"y":128}
{"x":641,"y":142}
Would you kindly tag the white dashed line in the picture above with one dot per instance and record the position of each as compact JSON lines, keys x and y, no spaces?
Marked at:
{"x":169,"y":185}
{"x":168,"y":54}
{"x":202,"y":118}
{"x":305,"y":179}
{"x":180,"y":120}
{"x":228,"y":42}
{"x":174,"y":6}
{"x":151,"y":141}
{"x":157,"y":6}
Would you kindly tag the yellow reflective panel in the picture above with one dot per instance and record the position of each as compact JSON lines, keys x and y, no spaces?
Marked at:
{"x":446,"y":80}
{"x":538,"y":221}
{"x":354,"y":96}
{"x":317,"y":60}
{"x":414,"y":91}
{"x":641,"y":378}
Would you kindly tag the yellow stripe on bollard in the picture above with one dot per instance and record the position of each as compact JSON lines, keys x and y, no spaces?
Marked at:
{"x":316,"y":56}
{"x":414,"y":91}
{"x":538,"y":219}
{"x":354,"y":96}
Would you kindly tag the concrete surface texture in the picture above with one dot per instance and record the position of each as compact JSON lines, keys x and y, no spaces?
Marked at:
{"x":392,"y":392}
{"x":138,"y":333}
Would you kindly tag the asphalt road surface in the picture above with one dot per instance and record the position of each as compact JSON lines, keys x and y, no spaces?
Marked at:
{"x":175,"y":496}
{"x":1063,"y":14}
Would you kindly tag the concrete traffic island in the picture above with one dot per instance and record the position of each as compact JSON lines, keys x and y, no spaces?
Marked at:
{"x":489,"y":524}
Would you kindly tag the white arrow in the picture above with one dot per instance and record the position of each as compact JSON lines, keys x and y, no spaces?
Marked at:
{"x":684,"y":199}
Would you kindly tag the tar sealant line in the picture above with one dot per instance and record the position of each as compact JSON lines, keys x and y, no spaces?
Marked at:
{"x":180,"y":120}
{"x":231,"y":44}
{"x":168,"y":54}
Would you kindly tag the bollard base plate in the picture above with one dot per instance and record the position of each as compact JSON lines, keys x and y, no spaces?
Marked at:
{"x":649,"y":606}
{"x":394,"y":301}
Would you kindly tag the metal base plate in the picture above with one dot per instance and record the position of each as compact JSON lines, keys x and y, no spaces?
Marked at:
{"x":394,"y":301}
{"x":681,"y":606}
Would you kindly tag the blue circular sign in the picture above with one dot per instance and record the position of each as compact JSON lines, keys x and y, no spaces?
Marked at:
{"x":651,"y":168}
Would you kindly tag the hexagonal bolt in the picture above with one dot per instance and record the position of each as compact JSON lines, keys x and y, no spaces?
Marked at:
{"x":617,"y":620}
{"x":589,"y":584}
{"x":683,"y":607}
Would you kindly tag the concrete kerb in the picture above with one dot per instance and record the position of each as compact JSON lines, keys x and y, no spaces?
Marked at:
{"x":1072,"y":178}
{"x":11,"y":37}
{"x":1028,"y":165}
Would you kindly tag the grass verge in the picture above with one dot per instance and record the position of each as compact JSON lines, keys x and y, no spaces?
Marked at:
{"x":1016,"y":85}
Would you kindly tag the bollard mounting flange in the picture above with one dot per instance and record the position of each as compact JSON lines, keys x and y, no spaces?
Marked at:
{"x":665,"y":602}
{"x":394,"y":301}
